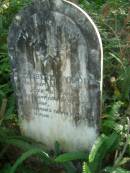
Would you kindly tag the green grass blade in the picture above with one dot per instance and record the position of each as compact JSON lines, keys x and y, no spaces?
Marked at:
{"x":19,"y":143}
{"x":57,"y":148}
{"x":115,"y":170}
{"x":71,"y":156}
{"x":28,"y":154}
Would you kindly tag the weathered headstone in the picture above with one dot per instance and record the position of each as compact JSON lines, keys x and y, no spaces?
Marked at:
{"x":56,"y":56}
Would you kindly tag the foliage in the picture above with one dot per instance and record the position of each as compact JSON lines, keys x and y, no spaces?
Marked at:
{"x":111,"y":151}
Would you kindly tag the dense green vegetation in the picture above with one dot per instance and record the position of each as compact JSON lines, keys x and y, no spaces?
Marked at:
{"x":111,"y":152}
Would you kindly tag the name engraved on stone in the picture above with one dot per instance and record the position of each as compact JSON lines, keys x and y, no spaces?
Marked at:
{"x":56,"y":55}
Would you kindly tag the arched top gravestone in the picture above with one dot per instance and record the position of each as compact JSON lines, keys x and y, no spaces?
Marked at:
{"x":56,"y":55}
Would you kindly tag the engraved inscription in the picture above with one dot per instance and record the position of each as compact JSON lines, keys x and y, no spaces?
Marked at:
{"x":43,"y":95}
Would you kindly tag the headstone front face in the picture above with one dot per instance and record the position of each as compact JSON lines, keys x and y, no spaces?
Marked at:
{"x":56,"y":55}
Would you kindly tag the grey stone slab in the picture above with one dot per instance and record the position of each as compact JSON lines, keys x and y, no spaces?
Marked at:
{"x":56,"y":55}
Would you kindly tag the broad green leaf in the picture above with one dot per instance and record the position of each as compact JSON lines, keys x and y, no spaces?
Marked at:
{"x":102,"y":147}
{"x":28,"y":154}
{"x":71,"y":156}
{"x":96,"y":147}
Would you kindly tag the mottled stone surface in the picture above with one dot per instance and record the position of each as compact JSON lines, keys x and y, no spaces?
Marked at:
{"x":56,"y":56}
